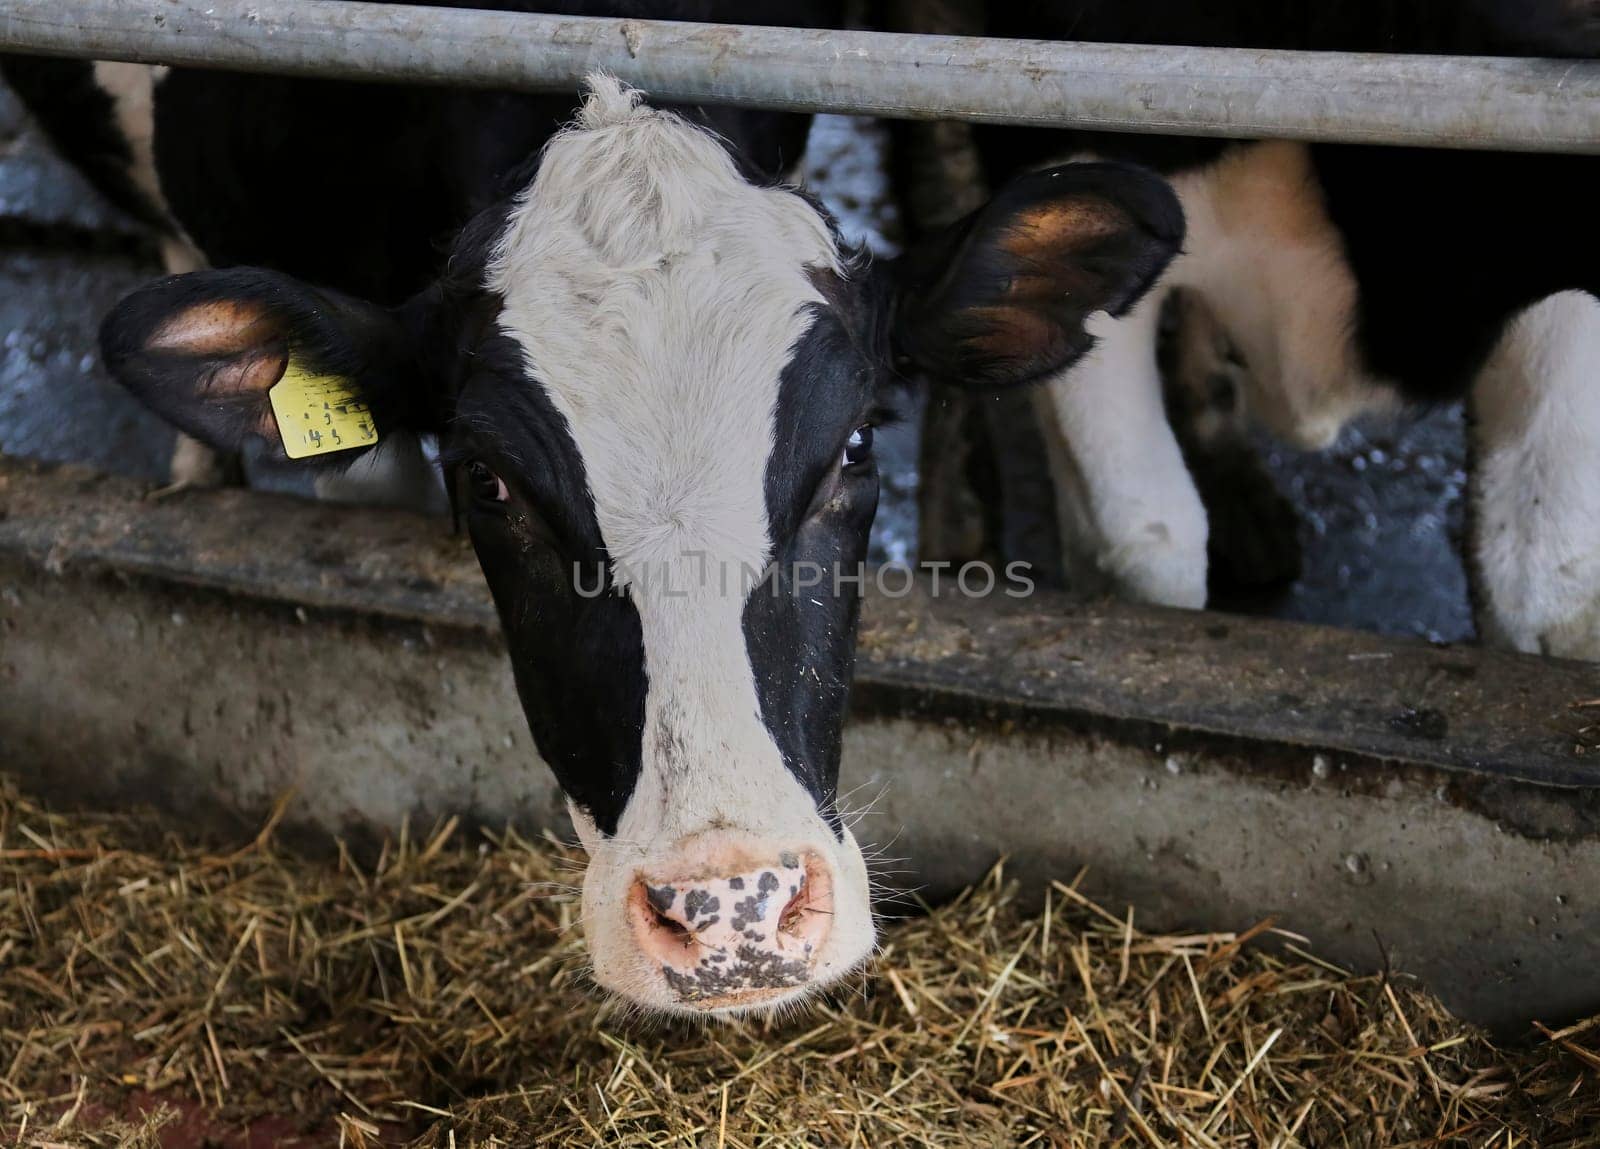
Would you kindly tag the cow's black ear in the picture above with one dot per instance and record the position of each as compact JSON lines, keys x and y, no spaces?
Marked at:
{"x":1002,"y":296}
{"x":205,"y":350}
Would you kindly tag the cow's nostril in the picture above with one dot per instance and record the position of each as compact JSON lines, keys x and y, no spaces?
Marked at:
{"x":674,"y":929}
{"x":794,"y":914}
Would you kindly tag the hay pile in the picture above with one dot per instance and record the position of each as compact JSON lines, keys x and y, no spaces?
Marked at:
{"x":438,"y":998}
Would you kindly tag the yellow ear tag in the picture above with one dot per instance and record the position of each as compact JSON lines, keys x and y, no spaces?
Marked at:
{"x":319,"y":414}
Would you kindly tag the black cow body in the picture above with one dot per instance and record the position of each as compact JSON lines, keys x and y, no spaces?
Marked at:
{"x":1351,"y":279}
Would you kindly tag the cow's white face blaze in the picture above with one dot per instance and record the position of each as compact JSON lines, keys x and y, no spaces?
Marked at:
{"x":658,"y":297}
{"x":651,"y":377}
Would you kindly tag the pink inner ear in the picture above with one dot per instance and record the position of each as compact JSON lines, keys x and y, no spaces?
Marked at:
{"x":253,"y":371}
{"x":217,"y":327}
{"x":243,"y":341}
{"x":1058,"y":227}
{"x":1010,"y":331}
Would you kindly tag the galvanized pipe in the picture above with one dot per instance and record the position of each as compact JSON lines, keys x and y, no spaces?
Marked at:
{"x":1467,"y":102}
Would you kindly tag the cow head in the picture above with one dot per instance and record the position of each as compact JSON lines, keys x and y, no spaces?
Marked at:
{"x":655,"y":384}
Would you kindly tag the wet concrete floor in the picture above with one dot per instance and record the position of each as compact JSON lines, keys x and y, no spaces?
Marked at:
{"x":1378,"y":512}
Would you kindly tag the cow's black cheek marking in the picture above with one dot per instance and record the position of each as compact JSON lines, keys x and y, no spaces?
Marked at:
{"x":801,"y":641}
{"x":579,"y":669}
{"x":801,"y":644}
{"x":577,"y":655}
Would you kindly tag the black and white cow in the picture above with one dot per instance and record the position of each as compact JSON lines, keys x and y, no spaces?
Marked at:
{"x":649,"y":363}
{"x":1352,"y":280}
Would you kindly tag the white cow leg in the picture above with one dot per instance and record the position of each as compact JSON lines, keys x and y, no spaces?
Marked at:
{"x":193,"y":464}
{"x":1126,"y":486}
{"x":1536,"y":481}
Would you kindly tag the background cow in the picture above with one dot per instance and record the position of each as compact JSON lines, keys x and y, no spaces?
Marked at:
{"x":1325,"y":282}
{"x":651,"y":369}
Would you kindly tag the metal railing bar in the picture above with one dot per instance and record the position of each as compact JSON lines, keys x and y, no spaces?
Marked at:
{"x":1449,"y":101}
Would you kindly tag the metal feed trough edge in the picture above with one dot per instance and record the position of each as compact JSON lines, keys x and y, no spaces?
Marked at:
{"x":1465,"y":102}
{"x":206,"y":653}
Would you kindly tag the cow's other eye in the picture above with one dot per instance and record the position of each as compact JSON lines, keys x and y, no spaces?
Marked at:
{"x":859,"y":449}
{"x":485,"y":485}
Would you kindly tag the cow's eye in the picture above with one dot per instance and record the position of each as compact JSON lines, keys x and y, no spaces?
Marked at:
{"x":485,"y":485}
{"x":859,"y":449}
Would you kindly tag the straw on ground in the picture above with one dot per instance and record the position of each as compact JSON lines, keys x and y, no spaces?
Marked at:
{"x":437,"y":995}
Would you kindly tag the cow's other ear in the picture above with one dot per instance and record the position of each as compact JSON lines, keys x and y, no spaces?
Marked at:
{"x":1002,"y":296}
{"x":204,"y":351}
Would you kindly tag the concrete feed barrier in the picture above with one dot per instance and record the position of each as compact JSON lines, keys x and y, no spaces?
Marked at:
{"x":1440,"y":806}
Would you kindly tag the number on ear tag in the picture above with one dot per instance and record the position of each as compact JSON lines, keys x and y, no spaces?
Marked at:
{"x":319,"y":414}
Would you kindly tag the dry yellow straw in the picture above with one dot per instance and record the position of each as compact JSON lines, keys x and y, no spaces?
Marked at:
{"x":438,"y":996}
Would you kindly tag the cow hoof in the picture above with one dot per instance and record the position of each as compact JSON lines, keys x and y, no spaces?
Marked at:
{"x":1577,"y":637}
{"x":1579,"y":640}
{"x":1159,"y":568}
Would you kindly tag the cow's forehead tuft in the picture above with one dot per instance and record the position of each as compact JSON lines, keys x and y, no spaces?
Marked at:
{"x":610,"y":102}
{"x":635,"y":185}
{"x":657,"y":296}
